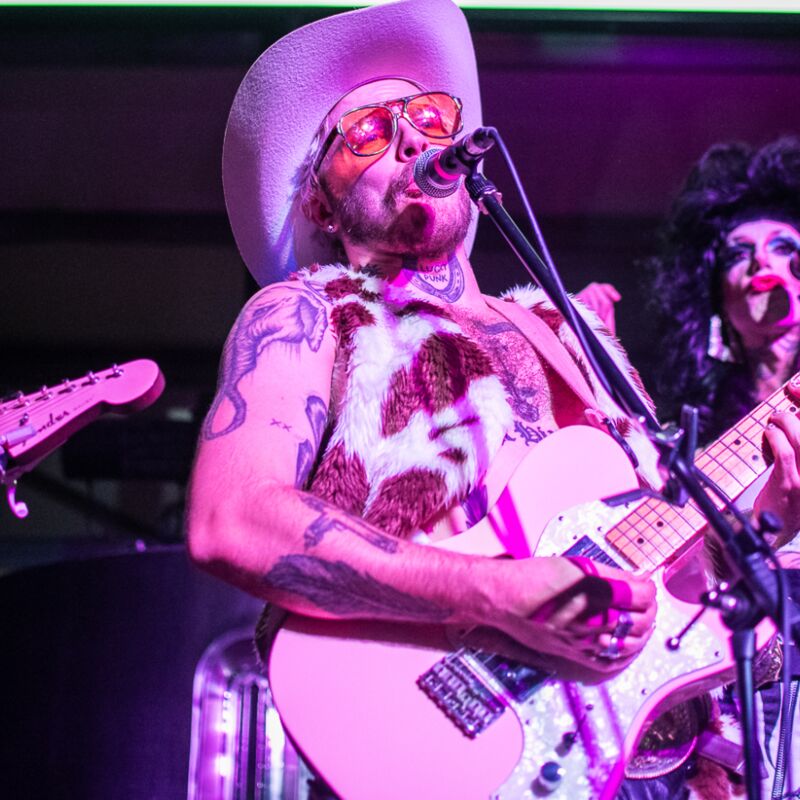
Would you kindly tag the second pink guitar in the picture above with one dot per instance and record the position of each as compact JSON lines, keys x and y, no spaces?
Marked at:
{"x":33,"y":425}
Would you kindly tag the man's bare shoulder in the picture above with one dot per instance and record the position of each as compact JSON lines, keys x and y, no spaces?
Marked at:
{"x":296,"y":292}
{"x":281,"y":340}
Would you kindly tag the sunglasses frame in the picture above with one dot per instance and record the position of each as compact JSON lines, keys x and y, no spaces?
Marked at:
{"x":388,"y":105}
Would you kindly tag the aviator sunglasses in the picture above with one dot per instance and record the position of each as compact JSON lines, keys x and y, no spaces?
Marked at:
{"x":369,"y":130}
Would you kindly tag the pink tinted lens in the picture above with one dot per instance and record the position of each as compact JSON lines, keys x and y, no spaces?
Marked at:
{"x":435,"y":114}
{"x":368,"y":131}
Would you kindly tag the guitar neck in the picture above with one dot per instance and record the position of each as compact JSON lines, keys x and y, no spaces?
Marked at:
{"x":33,"y":425}
{"x":654,"y":533}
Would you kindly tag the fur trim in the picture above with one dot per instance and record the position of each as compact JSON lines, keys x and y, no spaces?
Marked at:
{"x":419,"y":405}
{"x":535,"y":299}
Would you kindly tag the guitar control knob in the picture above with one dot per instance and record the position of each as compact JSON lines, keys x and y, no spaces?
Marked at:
{"x":549,"y":777}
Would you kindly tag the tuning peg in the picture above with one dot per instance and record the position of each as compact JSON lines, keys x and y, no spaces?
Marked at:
{"x":22,"y":401}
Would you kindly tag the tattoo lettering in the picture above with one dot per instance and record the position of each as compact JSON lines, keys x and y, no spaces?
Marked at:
{"x":336,"y":587}
{"x":317,"y":414}
{"x":276,"y":423}
{"x":529,"y":434}
{"x":445,"y":281}
{"x":291,"y":317}
{"x":324,"y":524}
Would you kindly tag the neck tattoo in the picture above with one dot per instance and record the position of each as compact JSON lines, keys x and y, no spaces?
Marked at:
{"x":444,"y":280}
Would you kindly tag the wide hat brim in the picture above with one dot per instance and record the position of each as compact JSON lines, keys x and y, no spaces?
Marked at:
{"x":288,"y":91}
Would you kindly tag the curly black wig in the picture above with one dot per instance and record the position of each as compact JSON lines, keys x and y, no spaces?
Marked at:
{"x":730,"y":184}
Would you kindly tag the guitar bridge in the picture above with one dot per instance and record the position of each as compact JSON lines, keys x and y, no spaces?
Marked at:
{"x":461,"y":695}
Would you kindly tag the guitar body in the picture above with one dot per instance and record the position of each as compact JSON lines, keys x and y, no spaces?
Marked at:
{"x":348,"y":691}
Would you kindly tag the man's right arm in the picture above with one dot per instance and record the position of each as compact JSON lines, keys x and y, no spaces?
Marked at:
{"x":250,"y":521}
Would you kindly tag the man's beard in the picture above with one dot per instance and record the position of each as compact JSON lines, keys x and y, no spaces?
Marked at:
{"x":407,"y":228}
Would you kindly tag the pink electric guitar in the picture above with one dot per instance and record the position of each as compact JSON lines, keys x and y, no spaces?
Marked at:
{"x":393,"y":712}
{"x":33,"y":425}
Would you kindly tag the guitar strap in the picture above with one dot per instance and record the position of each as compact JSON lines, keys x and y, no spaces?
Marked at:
{"x":548,"y":346}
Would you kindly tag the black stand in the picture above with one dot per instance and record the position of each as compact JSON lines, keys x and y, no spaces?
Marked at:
{"x":755,"y":594}
{"x":743,"y":644}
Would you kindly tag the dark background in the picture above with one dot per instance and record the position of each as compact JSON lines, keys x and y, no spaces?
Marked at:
{"x":114,"y":244}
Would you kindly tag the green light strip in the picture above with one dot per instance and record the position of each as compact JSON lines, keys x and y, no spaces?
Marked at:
{"x":719,"y":6}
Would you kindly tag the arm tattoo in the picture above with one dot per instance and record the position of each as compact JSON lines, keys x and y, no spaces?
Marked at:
{"x":336,"y":587}
{"x":324,"y":524}
{"x":317,"y":414}
{"x":294,"y":317}
{"x":445,"y":281}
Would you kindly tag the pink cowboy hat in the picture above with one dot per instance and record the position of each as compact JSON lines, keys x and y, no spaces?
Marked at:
{"x":292,"y":86}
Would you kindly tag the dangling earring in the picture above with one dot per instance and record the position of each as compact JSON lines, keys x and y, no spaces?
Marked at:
{"x":718,"y":347}
{"x":330,"y":227}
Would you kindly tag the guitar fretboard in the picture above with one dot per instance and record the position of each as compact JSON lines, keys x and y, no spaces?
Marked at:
{"x":655,"y":532}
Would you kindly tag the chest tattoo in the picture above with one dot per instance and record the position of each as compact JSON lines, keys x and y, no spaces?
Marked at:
{"x":517,"y":367}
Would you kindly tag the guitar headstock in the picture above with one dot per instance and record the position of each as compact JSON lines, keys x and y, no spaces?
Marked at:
{"x":33,"y":425}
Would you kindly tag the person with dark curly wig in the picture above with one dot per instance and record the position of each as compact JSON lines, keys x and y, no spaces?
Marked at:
{"x":726,"y":285}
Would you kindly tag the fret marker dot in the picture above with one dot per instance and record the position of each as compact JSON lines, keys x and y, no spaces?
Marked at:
{"x":640,"y":540}
{"x":660,"y":523}
{"x":737,"y":441}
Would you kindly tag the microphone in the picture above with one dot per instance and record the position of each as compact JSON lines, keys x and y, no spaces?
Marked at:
{"x":438,"y":171}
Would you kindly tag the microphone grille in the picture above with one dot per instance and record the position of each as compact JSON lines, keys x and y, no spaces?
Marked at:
{"x":425,"y":182}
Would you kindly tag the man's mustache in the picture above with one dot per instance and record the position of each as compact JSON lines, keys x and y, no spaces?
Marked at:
{"x":398,"y":185}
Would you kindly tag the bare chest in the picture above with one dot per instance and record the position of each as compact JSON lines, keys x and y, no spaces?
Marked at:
{"x":540,"y":401}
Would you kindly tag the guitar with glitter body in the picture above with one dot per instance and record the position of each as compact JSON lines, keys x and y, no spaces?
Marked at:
{"x":395,"y":711}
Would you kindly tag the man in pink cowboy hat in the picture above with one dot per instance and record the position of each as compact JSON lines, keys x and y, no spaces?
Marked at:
{"x":372,"y":403}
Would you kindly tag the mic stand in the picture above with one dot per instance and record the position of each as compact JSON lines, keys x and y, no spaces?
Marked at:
{"x":756,"y":589}
{"x":743,"y":644}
